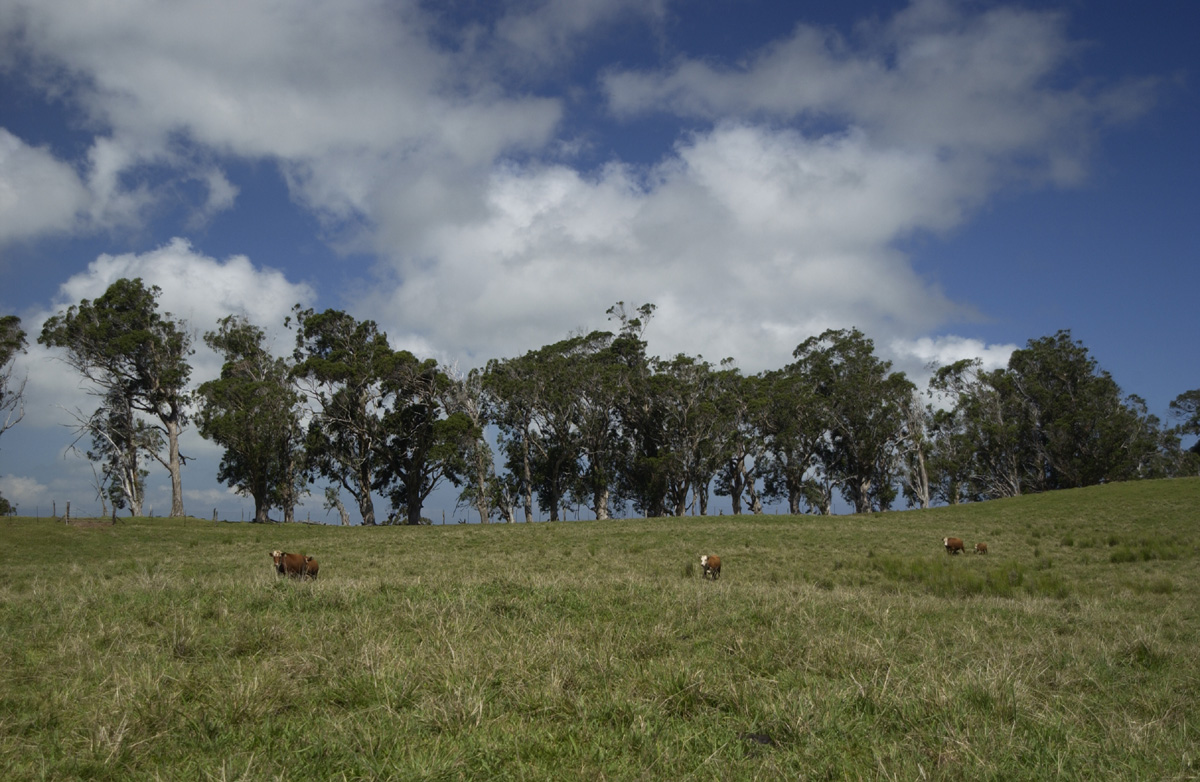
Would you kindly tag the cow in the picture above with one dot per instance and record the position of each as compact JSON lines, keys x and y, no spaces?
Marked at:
{"x":294,"y":565}
{"x":980,"y":548}
{"x":954,"y":545}
{"x":711,"y":565}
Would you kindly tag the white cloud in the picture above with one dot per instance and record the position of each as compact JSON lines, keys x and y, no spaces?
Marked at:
{"x":542,"y":33}
{"x":345,"y":96}
{"x":977,"y":89}
{"x":943,"y":351}
{"x":38,"y":193}
{"x":26,"y":493}
{"x":919,"y":358}
{"x":776,"y":217}
{"x":749,"y":240}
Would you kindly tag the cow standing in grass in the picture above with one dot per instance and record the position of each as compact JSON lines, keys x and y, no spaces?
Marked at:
{"x":711,"y":566}
{"x":294,"y":565}
{"x":954,"y":545}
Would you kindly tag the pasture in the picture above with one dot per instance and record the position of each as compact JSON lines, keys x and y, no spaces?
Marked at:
{"x":842,"y":647}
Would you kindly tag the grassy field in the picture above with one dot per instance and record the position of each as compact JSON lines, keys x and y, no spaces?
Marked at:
{"x":846,"y":647}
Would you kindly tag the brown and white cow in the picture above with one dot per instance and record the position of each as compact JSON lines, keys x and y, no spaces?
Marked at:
{"x":294,"y":565}
{"x":954,"y":545}
{"x":980,"y":548}
{"x":711,"y":565}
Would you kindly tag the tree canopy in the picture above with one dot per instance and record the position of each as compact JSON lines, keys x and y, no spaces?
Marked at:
{"x":593,"y":420}
{"x":133,"y":355}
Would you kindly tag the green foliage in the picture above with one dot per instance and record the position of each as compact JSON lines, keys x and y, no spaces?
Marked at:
{"x":849,"y":647}
{"x":12,"y":342}
{"x":137,"y":360}
{"x":344,"y":362}
{"x":862,"y":403}
{"x":1051,"y":420}
{"x":253,"y":411}
{"x":424,"y":444}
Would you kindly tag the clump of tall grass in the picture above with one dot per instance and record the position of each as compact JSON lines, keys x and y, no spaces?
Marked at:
{"x":969,"y":577}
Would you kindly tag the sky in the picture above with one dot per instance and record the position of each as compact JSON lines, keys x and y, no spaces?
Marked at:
{"x":482,"y":179}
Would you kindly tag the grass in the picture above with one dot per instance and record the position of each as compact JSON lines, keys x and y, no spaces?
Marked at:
{"x":831,"y":648}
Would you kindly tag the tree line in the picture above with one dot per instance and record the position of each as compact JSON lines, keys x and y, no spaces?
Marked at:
{"x":591,"y":421}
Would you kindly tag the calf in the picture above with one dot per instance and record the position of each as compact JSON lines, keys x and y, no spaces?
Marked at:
{"x":294,"y":565}
{"x":711,"y":564}
{"x":953,"y":545}
{"x":980,"y":548}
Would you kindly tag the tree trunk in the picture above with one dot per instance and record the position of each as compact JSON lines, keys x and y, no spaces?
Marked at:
{"x":862,"y":499}
{"x":289,"y":495}
{"x":756,"y":506}
{"x":174,"y":465}
{"x":527,"y":478}
{"x":341,"y":509}
{"x":412,"y":502}
{"x":922,"y":481}
{"x":600,"y":502}
{"x":366,"y":505}
{"x":482,"y":494}
{"x":737,"y":485}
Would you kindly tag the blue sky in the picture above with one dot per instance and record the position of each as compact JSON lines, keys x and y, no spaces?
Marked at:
{"x":954,"y":178}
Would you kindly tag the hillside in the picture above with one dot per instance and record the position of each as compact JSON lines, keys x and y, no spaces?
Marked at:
{"x":845,"y":646}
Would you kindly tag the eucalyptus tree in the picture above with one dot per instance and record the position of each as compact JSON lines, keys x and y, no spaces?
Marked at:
{"x":861,"y":400}
{"x":425,"y":445}
{"x":253,"y":410}
{"x":688,"y":390}
{"x":566,"y":370}
{"x":1085,"y":432}
{"x":515,"y":386}
{"x":985,"y":438}
{"x":793,"y":432}
{"x":130,"y":352}
{"x":643,"y":473}
{"x":598,"y":379}
{"x":742,"y":405}
{"x":1157,"y":448}
{"x":12,"y":392}
{"x":121,"y":444}
{"x":951,"y":456}
{"x":916,"y":451}
{"x":1185,"y":409}
{"x":343,"y":364}
{"x":466,"y":395}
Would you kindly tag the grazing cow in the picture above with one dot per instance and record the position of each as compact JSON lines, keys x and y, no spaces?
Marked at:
{"x":294,"y":565}
{"x":980,"y":548}
{"x":711,"y":564}
{"x":953,"y":545}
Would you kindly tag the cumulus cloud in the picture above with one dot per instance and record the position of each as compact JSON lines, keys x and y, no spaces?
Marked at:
{"x":39,"y":194}
{"x":938,"y":76}
{"x":417,"y":139}
{"x":748,"y":240}
{"x":25,"y":493}
{"x":342,"y":96}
